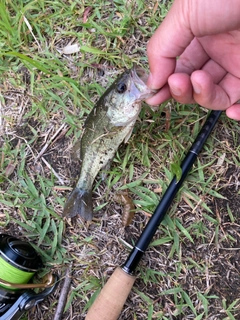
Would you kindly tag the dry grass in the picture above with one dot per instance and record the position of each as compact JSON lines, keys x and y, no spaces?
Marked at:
{"x":191,"y":270}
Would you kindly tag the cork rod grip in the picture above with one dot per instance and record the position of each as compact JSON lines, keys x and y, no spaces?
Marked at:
{"x":110,"y":301}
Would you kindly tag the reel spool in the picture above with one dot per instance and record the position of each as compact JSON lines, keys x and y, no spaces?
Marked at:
{"x":18,"y":263}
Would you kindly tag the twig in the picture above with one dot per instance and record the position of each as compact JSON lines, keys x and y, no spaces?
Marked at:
{"x":49,"y":142}
{"x":53,"y":171}
{"x":63,"y":295}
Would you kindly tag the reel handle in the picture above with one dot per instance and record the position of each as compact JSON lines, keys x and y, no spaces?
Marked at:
{"x":48,"y":281}
{"x":28,"y":300}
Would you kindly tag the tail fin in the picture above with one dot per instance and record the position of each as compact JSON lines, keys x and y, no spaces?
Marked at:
{"x":79,"y":202}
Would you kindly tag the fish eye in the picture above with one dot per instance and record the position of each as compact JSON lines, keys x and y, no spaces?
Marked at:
{"x":121,"y":87}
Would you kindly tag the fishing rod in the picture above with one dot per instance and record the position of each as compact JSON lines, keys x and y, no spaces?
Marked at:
{"x":110,"y":301}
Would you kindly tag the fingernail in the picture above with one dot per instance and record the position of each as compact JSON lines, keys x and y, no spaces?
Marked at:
{"x":197,"y":88}
{"x":176,"y":91}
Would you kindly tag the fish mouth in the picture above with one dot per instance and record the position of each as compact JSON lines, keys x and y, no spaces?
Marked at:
{"x":140,"y":76}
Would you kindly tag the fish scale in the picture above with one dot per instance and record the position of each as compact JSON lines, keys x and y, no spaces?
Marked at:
{"x":109,"y":124}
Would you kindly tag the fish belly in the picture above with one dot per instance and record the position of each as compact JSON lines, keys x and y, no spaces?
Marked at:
{"x":96,"y":156}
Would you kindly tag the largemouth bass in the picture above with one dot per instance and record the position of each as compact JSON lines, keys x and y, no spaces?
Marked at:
{"x":109,"y":124}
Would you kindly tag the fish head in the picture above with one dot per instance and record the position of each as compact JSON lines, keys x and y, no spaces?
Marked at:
{"x":125,"y":97}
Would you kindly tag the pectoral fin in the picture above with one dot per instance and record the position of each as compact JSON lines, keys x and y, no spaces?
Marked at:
{"x":129,"y":133}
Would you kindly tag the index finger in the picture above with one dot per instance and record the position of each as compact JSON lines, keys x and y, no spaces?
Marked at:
{"x":169,"y":41}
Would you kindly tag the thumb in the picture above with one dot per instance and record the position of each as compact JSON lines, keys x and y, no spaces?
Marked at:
{"x":169,"y":41}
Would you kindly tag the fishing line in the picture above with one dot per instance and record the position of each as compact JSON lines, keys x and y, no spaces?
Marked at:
{"x":11,"y":273}
{"x":18,"y":260}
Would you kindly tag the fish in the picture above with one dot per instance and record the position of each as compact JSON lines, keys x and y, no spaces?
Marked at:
{"x":128,"y":211}
{"x":109,"y":123}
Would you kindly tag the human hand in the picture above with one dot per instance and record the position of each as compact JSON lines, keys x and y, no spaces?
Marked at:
{"x":194,"y":55}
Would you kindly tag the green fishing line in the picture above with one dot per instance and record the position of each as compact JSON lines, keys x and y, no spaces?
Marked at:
{"x":12,"y":274}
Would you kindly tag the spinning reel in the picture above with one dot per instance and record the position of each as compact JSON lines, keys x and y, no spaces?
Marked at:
{"x":18,"y":264}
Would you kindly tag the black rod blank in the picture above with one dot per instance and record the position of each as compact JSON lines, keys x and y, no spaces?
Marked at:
{"x":163,"y":206}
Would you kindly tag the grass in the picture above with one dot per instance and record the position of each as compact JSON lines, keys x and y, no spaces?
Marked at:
{"x":45,"y":96}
